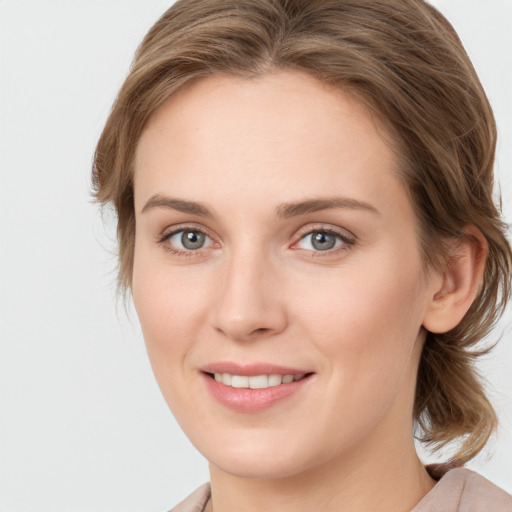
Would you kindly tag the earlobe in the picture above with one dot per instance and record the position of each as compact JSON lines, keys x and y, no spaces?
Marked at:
{"x":456,"y":288}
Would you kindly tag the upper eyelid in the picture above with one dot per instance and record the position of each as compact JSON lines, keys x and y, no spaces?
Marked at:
{"x":345,"y":242}
{"x":342,"y":232}
{"x":172,"y":230}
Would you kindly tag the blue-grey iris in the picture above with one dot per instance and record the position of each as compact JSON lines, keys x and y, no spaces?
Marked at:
{"x":192,"y":239}
{"x":322,"y":241}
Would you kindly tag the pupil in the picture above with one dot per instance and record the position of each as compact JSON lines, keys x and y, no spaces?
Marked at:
{"x":192,"y":240}
{"x":323,"y":241}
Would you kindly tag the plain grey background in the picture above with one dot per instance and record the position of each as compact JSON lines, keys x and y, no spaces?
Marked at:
{"x":83,"y":426}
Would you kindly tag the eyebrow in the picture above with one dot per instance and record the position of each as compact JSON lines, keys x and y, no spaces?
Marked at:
{"x":288,"y":210}
{"x":158,"y":201}
{"x":284,"y":211}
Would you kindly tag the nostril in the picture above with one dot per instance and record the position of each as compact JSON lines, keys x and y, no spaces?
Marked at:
{"x":261,"y":330}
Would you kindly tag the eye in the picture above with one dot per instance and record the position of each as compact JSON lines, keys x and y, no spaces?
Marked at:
{"x":323,"y":240}
{"x":188,"y":240}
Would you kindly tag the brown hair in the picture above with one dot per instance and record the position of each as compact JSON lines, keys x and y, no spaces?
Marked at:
{"x":404,"y":60}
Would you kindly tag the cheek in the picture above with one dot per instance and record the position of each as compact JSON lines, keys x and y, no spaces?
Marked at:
{"x":367,"y":321}
{"x":170,"y":309}
{"x":366,"y":328}
{"x":168,"y":312}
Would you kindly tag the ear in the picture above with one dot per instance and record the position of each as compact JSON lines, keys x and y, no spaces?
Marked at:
{"x":455,"y":288}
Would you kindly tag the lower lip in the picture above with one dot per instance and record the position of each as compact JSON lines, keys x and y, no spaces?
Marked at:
{"x":252,"y":400}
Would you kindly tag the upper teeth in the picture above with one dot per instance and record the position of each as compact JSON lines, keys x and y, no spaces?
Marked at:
{"x":256,"y":381}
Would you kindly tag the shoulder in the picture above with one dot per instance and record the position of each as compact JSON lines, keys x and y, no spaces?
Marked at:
{"x":194,"y":502}
{"x":463,"y":490}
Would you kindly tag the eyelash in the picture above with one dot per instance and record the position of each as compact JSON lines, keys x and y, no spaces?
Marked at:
{"x":347,"y":242}
{"x":176,"y":252}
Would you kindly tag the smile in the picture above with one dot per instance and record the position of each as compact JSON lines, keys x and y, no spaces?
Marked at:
{"x":253,"y":388}
{"x":256,"y":381}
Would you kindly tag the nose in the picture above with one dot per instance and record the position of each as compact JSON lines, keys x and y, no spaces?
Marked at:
{"x":250,"y":302}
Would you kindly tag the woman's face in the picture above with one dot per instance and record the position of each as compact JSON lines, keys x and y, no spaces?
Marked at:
{"x":274,"y":242}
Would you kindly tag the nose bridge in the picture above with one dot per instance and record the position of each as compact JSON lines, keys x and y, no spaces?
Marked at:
{"x":249,"y":302}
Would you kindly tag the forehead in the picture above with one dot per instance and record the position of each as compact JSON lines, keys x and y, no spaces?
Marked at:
{"x":293,"y":101}
{"x":280,"y":135}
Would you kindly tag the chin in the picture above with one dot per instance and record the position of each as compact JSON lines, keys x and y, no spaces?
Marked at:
{"x":258,"y":468}
{"x":261,"y":459}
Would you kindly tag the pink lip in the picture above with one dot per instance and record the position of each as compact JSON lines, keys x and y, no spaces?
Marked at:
{"x":251,"y":369}
{"x":252,"y":400}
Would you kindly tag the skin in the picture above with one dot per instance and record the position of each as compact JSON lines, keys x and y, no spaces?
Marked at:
{"x":259,"y":291}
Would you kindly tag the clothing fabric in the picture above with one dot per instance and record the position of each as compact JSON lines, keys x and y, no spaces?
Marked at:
{"x":459,"y":490}
{"x":463,"y":490}
{"x":195,"y":502}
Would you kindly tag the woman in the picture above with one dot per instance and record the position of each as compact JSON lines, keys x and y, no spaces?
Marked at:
{"x":306,"y":225}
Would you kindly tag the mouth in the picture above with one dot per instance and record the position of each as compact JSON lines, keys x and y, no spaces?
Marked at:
{"x":256,"y":381}
{"x":254,"y":388}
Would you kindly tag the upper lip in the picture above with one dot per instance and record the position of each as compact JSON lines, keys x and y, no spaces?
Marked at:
{"x":252,"y":369}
